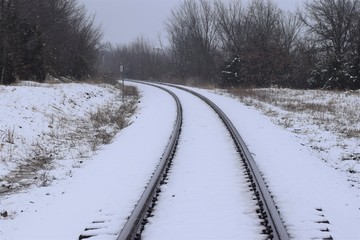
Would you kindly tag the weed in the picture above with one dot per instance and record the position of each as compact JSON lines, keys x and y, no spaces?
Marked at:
{"x":41,"y":155}
{"x":131,"y":91}
{"x":44,"y":179}
{"x":8,"y":136}
{"x":112,"y":116}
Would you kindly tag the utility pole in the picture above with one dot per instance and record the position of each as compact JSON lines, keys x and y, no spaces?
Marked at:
{"x":123,"y":82}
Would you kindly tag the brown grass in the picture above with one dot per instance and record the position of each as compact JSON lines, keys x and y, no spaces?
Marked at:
{"x":330,"y":110}
{"x":91,"y":132}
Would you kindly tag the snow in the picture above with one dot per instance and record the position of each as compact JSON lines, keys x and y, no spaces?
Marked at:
{"x":306,"y":189}
{"x":100,"y":190}
{"x":327,"y":122}
{"x":105,"y":189}
{"x":206,"y":181}
{"x":33,"y":113}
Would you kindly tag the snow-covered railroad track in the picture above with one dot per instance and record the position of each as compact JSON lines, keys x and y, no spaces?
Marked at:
{"x":211,"y":193}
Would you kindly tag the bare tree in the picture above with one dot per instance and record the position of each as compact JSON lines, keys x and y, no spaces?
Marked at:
{"x":354,"y":81}
{"x":291,"y":26}
{"x":140,"y":58}
{"x":85,"y":37}
{"x":231,"y":26}
{"x":193,"y":38}
{"x":39,"y":37}
{"x":263,"y":61}
{"x":7,"y":74}
{"x":331,"y":22}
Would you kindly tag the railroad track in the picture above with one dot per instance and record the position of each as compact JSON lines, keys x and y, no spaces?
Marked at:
{"x":272,"y":225}
{"x":147,"y":202}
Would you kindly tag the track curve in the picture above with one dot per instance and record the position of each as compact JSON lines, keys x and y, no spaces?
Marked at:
{"x":267,"y":211}
{"x":133,"y":226}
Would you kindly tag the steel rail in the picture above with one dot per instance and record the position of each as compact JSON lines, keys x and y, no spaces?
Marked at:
{"x":134,"y":222}
{"x":267,"y":206}
{"x":272,"y":221}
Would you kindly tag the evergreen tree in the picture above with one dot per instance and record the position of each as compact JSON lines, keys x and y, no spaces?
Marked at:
{"x":231,"y":76}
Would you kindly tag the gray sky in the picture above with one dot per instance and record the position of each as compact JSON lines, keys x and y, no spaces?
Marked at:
{"x":124,"y":20}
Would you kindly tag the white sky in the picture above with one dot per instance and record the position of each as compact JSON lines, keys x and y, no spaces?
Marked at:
{"x":124,"y":20}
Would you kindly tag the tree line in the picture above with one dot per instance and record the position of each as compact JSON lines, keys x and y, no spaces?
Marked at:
{"x":140,"y":58}
{"x":229,"y":44}
{"x":232,"y":44}
{"x":55,"y":37}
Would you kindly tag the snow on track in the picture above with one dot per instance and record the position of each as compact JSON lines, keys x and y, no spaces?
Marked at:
{"x":106,"y":189}
{"x":311,"y":196}
{"x":314,"y":199}
{"x":206,"y":196}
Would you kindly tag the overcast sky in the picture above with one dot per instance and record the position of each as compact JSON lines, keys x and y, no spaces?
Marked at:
{"x":124,"y":20}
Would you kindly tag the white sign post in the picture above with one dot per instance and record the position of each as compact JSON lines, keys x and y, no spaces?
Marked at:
{"x":123,"y":84}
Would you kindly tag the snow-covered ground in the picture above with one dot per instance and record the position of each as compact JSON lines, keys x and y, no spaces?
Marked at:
{"x":102,"y":188}
{"x":49,"y":125}
{"x":206,"y":195}
{"x":326,"y":122}
{"x":315,"y":195}
{"x":316,"y":200}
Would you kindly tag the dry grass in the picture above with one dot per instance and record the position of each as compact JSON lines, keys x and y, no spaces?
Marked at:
{"x":326,"y":122}
{"x":78,"y":136}
{"x":113,"y":117}
{"x":330,"y":110}
{"x":7,"y":136}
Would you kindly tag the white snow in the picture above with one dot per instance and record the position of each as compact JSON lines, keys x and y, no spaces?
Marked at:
{"x":327,"y":122}
{"x":33,"y":115}
{"x":206,"y":181}
{"x":305,"y":188}
{"x":104,"y":189}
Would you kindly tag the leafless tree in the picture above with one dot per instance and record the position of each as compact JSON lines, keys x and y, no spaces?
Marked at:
{"x":193,"y":39}
{"x":8,"y":24}
{"x":291,"y":26}
{"x":140,"y":59}
{"x":231,"y":25}
{"x":263,"y":43}
{"x":38,"y":37}
{"x":332,"y":24}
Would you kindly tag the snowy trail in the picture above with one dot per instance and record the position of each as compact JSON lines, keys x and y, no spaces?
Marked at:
{"x":206,"y":196}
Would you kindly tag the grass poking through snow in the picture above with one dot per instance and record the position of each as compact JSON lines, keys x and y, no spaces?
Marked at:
{"x":328,"y":122}
{"x":44,"y":126}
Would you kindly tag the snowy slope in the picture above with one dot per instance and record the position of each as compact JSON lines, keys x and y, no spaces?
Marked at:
{"x":104,"y":189}
{"x":32,"y":114}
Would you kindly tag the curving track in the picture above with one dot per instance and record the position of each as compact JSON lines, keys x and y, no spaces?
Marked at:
{"x":218,"y":148}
